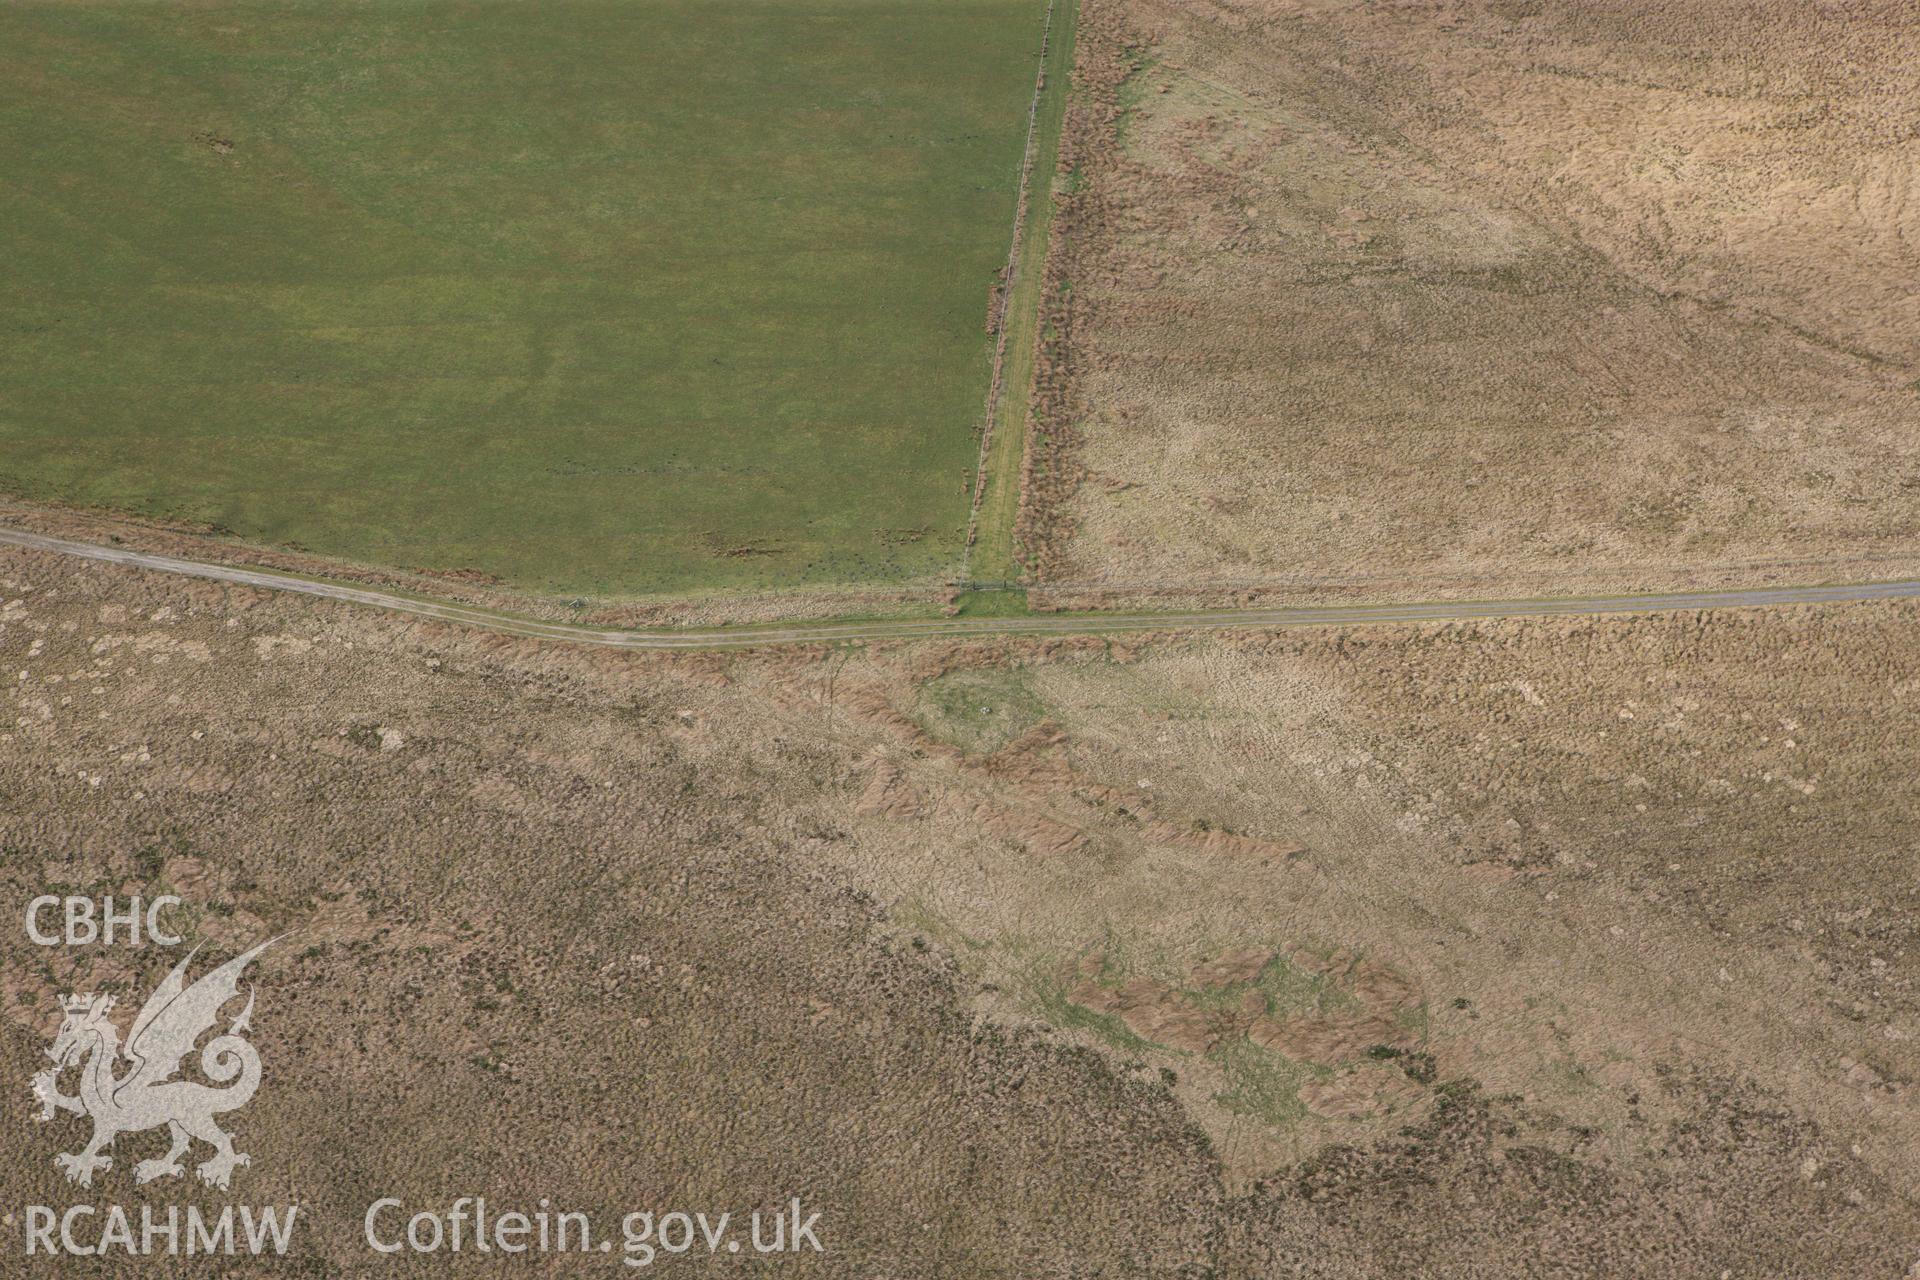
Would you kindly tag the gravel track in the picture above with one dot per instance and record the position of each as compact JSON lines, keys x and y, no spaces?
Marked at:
{"x":921,"y":628}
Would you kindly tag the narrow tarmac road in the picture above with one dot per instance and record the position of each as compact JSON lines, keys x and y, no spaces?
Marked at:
{"x":919,"y":628}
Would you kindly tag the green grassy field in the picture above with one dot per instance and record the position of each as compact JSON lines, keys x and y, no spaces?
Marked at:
{"x":598,"y":297}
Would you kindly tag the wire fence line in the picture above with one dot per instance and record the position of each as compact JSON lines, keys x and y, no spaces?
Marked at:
{"x":996,"y":385}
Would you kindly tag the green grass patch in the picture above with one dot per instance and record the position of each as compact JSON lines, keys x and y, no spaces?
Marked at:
{"x":1050,"y":996}
{"x":1258,"y":1081}
{"x":1287,"y":989}
{"x":1263,"y":1084}
{"x":992,"y":604}
{"x":599,"y":298}
{"x":980,"y":710}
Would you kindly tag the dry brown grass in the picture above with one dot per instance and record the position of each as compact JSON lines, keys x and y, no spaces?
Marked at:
{"x":621,"y":929}
{"x":1483,"y":298}
{"x":541,"y":949}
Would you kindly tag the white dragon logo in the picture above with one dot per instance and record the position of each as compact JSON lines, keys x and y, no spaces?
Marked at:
{"x":174,"y":1017}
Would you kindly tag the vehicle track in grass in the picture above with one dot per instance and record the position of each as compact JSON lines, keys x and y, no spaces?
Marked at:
{"x":771,"y":634}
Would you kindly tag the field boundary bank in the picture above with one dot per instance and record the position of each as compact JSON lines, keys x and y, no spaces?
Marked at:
{"x":1006,"y":317}
{"x":745,"y":637}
